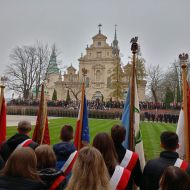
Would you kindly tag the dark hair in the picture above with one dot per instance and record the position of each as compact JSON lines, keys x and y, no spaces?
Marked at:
{"x":169,"y":140}
{"x":118,"y":133}
{"x":21,"y":163}
{"x":104,"y":143}
{"x":66,"y":133}
{"x":174,"y":178}
{"x":45,"y":157}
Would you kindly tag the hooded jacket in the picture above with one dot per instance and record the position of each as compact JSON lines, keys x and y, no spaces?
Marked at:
{"x":49,"y":175}
{"x":62,"y":151}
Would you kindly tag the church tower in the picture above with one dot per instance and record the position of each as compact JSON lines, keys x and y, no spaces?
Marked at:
{"x":53,"y":73}
{"x":99,"y":62}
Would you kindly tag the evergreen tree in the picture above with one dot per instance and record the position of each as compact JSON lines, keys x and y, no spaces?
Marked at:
{"x":169,"y":97}
{"x":54,"y":96}
{"x":116,"y":81}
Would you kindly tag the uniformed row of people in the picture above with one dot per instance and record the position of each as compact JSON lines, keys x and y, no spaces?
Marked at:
{"x":167,"y":118}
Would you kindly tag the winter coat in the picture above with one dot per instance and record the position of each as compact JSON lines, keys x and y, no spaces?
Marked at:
{"x":10,"y":145}
{"x":155,"y":168}
{"x":49,"y":175}
{"x":19,"y":183}
{"x":62,"y":151}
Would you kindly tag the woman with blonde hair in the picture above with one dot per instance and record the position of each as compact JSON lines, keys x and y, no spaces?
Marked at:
{"x":89,"y":171}
{"x":20,"y":171}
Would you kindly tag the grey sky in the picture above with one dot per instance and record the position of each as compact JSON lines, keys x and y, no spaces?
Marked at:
{"x":163,"y":26}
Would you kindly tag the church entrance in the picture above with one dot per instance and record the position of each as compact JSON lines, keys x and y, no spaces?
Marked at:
{"x":97,"y":96}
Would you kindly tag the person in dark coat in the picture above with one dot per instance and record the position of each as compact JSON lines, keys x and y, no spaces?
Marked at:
{"x":65,"y":148}
{"x":46,"y":162}
{"x":7,"y":147}
{"x":155,"y":168}
{"x":1,"y":162}
{"x":118,"y":134}
{"x":20,"y":171}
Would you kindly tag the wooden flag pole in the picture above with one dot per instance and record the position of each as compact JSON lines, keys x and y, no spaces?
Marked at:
{"x":183,"y":61}
{"x":43,"y":113}
{"x":84,"y":73}
{"x":134,"y":49}
{"x":2,"y":95}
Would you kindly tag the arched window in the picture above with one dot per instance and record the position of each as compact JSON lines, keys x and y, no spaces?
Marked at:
{"x":87,"y":82}
{"x":109,"y":82}
{"x":98,"y":76}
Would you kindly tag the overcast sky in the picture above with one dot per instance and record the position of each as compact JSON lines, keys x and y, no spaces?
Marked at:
{"x":163,"y":26}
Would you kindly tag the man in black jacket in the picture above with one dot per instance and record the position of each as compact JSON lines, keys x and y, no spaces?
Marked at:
{"x":19,"y":139}
{"x":118,"y":135}
{"x":155,"y":168}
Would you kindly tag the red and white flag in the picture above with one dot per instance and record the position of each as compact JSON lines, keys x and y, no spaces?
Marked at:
{"x":2,"y":116}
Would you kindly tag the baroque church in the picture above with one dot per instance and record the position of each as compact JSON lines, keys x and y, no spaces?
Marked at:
{"x":99,"y":61}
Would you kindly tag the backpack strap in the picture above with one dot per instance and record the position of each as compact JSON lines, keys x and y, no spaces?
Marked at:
{"x":57,"y":182}
{"x":130,"y":159}
{"x":120,"y":178}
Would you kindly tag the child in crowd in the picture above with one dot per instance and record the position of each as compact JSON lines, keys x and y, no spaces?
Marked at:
{"x":104,"y":144}
{"x":64,"y":149}
{"x":118,"y":134}
{"x":19,"y":139}
{"x":20,"y":171}
{"x":89,"y":171}
{"x":174,"y":178}
{"x":46,"y":162}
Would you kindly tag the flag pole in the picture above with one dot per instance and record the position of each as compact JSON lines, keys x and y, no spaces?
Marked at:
{"x":84,"y":73}
{"x":2,"y":95}
{"x":43,"y":113}
{"x":183,"y":61}
{"x":134,"y":49}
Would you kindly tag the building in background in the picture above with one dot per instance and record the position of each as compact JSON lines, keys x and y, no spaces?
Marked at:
{"x":100,"y":62}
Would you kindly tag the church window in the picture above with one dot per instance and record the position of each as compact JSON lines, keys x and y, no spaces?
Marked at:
{"x":87,"y":82}
{"x":99,"y":54}
{"x":99,"y":43}
{"x":98,"y":75}
{"x":109,"y":82}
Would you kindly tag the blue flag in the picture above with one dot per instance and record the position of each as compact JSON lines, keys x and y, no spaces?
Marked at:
{"x":125,"y":119}
{"x":85,"y":129}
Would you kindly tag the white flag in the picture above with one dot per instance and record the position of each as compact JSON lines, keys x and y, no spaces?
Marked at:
{"x":180,"y":133}
{"x":138,"y":137}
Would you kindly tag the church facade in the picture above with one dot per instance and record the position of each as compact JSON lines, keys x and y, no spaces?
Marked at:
{"x":99,"y":61}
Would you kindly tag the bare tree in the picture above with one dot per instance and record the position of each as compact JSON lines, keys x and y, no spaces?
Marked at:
{"x":27,"y":68}
{"x":42,"y":55}
{"x":154,"y":80}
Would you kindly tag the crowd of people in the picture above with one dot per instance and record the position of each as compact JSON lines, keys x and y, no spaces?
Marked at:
{"x":97,"y":104}
{"x":104,"y":165}
{"x":155,"y":117}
